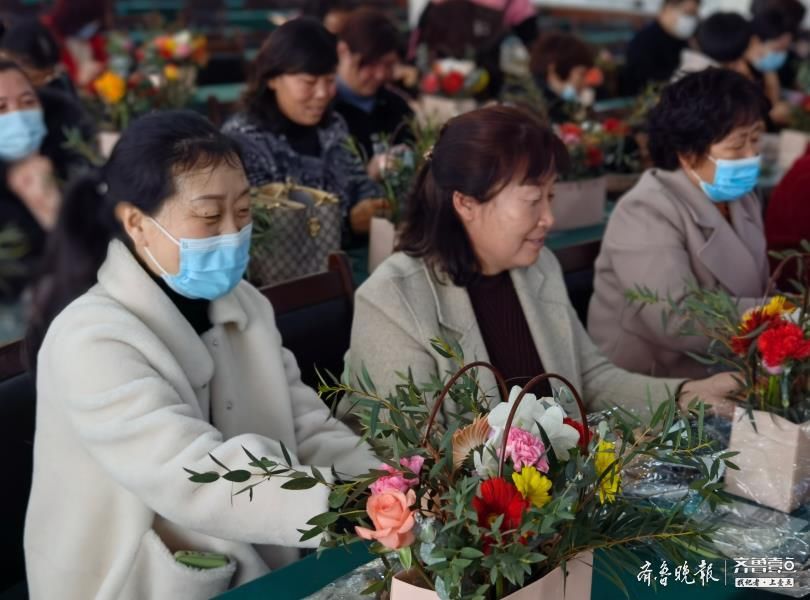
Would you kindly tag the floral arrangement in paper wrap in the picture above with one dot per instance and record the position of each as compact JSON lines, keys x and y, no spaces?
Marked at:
{"x":501,"y":494}
{"x":768,"y":344}
{"x":596,"y":148}
{"x":454,"y":78}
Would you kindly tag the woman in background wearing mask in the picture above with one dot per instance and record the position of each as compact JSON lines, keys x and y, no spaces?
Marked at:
{"x":654,"y":54}
{"x":32,"y":160}
{"x":694,"y":218}
{"x":157,"y":353}
{"x":772,"y":36}
{"x":560,"y":63}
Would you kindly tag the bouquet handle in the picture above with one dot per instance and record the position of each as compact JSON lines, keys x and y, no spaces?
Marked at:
{"x":502,"y":386}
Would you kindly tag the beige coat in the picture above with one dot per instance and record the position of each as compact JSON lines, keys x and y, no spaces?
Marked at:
{"x":663,"y":232}
{"x":129,"y":395}
{"x":402,"y":306}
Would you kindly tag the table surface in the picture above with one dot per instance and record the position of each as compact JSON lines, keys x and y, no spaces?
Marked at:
{"x":310,"y":574}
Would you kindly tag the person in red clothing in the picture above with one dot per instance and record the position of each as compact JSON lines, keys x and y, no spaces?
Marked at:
{"x":77,"y":26}
{"x":787,"y":219}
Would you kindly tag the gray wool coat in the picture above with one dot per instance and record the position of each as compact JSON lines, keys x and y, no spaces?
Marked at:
{"x":663,"y":233}
{"x":403,"y":305}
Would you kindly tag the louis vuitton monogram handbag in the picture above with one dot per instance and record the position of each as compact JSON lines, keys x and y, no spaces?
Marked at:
{"x":294,"y":230}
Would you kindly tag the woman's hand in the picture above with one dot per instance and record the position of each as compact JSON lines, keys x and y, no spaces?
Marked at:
{"x":717,"y":390}
{"x":33,"y":180}
{"x":362,"y":212}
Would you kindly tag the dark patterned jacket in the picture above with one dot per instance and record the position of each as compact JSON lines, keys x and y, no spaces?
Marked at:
{"x":268,"y":158}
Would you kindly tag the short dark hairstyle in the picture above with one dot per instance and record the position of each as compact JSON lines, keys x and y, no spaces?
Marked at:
{"x":369,"y":33}
{"x":793,"y":10}
{"x":301,"y":45}
{"x":471,"y":157}
{"x":724,"y":36}
{"x":564,"y":51}
{"x":770,"y":25}
{"x":29,"y":40}
{"x":700,"y":110}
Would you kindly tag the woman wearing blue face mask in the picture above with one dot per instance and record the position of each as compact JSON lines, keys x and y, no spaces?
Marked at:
{"x":772,"y":36}
{"x":32,"y":161}
{"x":694,"y":218}
{"x":559,"y":64}
{"x":159,"y":355}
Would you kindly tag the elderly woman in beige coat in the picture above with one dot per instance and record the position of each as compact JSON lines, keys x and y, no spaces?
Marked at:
{"x":168,"y":358}
{"x":695,"y":219}
{"x":473,"y":270}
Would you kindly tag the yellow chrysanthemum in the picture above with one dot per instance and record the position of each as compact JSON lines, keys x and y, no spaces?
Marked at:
{"x":110,"y":87}
{"x":533,"y":486}
{"x":611,"y":483}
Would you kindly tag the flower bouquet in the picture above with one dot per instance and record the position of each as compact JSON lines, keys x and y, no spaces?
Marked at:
{"x":769,"y":345}
{"x":596,"y":149}
{"x":497,"y":497}
{"x":448,"y":89}
{"x":171,"y":63}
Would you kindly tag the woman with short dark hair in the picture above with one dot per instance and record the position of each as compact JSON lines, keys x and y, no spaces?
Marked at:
{"x":472,"y":270}
{"x":694,"y":218}
{"x":559,"y":64}
{"x":368,"y":53}
{"x":288,"y":130}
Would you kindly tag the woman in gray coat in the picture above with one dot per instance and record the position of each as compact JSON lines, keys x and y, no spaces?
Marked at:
{"x":694,"y":218}
{"x":472,"y":269}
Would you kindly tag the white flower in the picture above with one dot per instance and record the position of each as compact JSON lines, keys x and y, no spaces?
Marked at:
{"x":562,"y":437}
{"x":485,"y":462}
{"x":527,"y":416}
{"x":533,"y":411}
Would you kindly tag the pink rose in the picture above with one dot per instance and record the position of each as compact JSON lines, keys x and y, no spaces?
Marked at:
{"x":392,"y":517}
{"x":397,"y":480}
{"x":526,"y":450}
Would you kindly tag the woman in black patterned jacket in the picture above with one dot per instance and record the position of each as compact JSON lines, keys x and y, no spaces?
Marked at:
{"x":288,"y":131}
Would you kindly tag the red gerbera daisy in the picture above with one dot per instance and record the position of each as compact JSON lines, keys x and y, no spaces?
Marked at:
{"x":499,"y":497}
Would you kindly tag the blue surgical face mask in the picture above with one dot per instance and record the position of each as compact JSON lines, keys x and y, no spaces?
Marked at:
{"x":569,"y":93}
{"x":772,"y":61}
{"x":209,"y":267}
{"x":733,"y":179}
{"x":21,"y":133}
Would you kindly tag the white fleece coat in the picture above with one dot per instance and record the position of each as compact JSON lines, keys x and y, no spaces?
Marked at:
{"x":127,"y":395}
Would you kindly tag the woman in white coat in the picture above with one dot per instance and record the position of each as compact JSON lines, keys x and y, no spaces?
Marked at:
{"x":168,"y":357}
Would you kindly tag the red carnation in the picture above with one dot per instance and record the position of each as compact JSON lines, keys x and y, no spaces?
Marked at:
{"x":614,"y":126}
{"x":806,"y":103}
{"x":452,"y":83}
{"x":751,"y":322}
{"x":583,"y":436}
{"x":594,"y":157}
{"x":782,"y":343}
{"x":570,"y":130}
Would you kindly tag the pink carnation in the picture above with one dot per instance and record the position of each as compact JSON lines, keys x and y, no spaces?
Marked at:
{"x":397,"y":480}
{"x":526,"y":450}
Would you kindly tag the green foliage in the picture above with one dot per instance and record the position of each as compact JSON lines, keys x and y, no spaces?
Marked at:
{"x":454,"y":551}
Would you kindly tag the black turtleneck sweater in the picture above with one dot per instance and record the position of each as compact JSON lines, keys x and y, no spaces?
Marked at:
{"x":505,"y":331}
{"x":194,"y":311}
